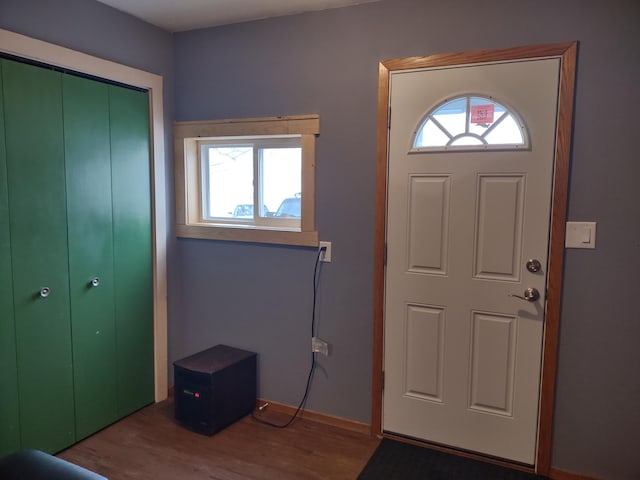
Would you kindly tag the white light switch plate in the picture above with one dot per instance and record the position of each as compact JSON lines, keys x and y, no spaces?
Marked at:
{"x":580,"y":235}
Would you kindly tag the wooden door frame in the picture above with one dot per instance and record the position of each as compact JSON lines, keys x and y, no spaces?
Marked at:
{"x":567,"y":52}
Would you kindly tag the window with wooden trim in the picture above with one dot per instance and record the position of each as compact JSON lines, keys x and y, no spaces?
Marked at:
{"x":247,"y":179}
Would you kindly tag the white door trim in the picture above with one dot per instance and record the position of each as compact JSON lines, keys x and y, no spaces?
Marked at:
{"x":567,"y":53}
{"x":22,"y":46}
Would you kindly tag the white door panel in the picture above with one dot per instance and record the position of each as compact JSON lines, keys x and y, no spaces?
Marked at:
{"x":462,"y":356}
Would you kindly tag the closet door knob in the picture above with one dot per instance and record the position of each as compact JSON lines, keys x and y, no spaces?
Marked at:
{"x":95,"y":281}
{"x":44,"y":292}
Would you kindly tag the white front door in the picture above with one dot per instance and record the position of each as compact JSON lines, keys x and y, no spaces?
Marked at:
{"x":462,"y":356}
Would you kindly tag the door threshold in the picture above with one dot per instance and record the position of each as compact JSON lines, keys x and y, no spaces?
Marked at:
{"x":523,"y":467}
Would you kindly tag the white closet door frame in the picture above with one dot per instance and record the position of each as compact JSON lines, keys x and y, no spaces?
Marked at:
{"x":22,"y":46}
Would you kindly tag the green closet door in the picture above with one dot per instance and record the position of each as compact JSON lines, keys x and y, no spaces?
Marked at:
{"x":38,"y":226}
{"x":88,"y":172}
{"x":130,"y":164}
{"x":9,"y":409}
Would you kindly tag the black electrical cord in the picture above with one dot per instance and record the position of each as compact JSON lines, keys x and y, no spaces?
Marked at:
{"x":316,"y":279}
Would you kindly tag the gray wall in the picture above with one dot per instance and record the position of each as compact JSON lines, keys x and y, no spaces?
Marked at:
{"x":259,"y":297}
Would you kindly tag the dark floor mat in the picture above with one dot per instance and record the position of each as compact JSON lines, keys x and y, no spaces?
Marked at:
{"x":401,"y":461}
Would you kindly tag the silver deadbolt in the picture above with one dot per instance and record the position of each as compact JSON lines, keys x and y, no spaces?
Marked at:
{"x":534,"y":265}
{"x":530,"y":295}
{"x":95,"y":281}
{"x":44,"y":292}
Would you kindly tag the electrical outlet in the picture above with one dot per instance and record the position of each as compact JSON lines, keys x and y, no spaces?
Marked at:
{"x":319,"y":346}
{"x":326,"y":255}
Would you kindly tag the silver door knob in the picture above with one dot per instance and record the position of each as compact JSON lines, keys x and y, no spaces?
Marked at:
{"x":44,"y":292}
{"x":533,"y":265}
{"x":95,"y":281}
{"x":530,"y":295}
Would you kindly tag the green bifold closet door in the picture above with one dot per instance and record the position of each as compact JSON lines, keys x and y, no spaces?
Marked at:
{"x":80,"y":252}
{"x":9,"y":410}
{"x":39,"y":254}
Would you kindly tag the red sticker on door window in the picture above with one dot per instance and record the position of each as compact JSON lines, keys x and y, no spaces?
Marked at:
{"x":482,"y":113}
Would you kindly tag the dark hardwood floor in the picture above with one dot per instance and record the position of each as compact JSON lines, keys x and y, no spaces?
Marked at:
{"x":151,"y":445}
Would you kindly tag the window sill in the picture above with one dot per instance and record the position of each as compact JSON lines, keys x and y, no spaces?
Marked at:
{"x":250,"y":235}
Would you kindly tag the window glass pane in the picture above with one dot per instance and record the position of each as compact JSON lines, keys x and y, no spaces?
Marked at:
{"x":452,"y":116}
{"x":507,"y":132}
{"x":466,"y":141}
{"x":230,"y":181}
{"x":281,"y":174}
{"x":471,"y":120}
{"x":430,"y":135}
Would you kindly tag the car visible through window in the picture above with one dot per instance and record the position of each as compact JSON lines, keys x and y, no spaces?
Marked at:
{"x":290,"y":207}
{"x":243,"y":211}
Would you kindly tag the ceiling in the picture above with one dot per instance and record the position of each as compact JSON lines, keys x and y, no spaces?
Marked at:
{"x":181,"y":15}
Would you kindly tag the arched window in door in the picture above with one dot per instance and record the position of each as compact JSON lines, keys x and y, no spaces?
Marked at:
{"x":470,"y":122}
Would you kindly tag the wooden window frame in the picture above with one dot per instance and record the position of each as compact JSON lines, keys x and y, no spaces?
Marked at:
{"x":186,"y":136}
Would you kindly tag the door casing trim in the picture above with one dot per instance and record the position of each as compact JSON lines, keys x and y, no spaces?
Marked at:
{"x":567,"y":52}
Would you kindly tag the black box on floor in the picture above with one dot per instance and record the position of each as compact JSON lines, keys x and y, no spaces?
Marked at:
{"x":214,"y":388}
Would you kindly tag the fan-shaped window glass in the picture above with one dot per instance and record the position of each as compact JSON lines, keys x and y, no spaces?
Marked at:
{"x":470,"y":122}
